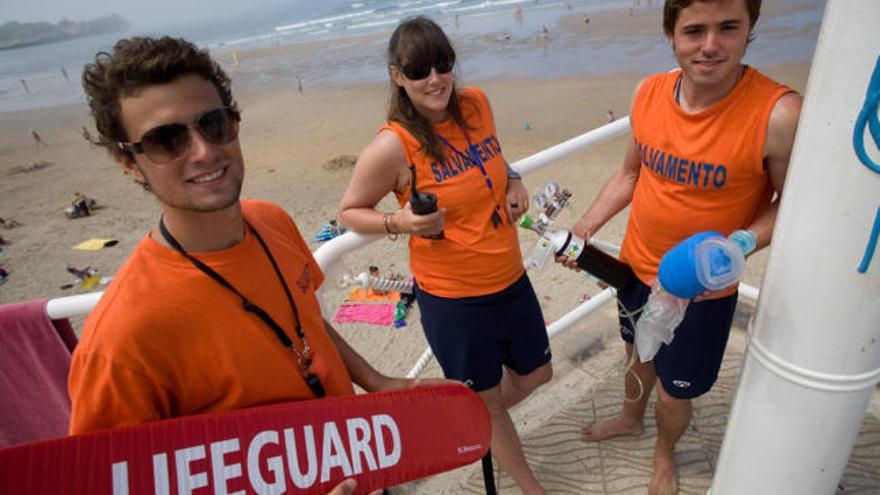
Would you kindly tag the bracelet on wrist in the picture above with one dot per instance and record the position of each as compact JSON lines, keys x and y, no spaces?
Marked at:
{"x":392,"y":236}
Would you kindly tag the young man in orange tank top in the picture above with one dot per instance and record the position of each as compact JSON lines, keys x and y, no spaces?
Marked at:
{"x":171,"y":336}
{"x":711,"y":143}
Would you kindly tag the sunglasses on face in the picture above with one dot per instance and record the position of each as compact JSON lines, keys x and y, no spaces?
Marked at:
{"x":415,"y":71}
{"x":167,"y":142}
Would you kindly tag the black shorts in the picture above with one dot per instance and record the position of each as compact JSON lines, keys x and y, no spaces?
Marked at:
{"x":688,"y":367}
{"x":473,"y":337}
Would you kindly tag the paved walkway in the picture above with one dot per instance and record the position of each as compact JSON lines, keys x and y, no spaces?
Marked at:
{"x":586,"y":387}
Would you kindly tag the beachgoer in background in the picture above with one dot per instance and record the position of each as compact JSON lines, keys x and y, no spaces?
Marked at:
{"x":688,"y":117}
{"x":299,"y":84}
{"x":10,"y":223}
{"x":38,"y":139}
{"x":80,"y":206}
{"x":87,"y":135}
{"x":610,"y":116}
{"x":544,"y":31}
{"x":479,"y":311}
{"x":518,"y":14}
{"x":64,"y":73}
{"x":165,"y":111}
{"x":24,"y":84}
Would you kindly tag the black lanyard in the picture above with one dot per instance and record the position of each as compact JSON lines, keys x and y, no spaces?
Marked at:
{"x":305,"y":357}
{"x":496,"y":213}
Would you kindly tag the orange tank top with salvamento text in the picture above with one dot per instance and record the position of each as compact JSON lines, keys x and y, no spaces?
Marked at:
{"x":702,"y":171}
{"x":474,"y":258}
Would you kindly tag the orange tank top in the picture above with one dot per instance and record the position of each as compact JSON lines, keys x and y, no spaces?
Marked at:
{"x":702,"y":171}
{"x":474,"y":258}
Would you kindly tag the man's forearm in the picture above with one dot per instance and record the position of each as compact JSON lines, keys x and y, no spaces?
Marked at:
{"x":360,"y":370}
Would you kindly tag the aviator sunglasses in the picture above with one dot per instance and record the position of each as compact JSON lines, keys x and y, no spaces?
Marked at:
{"x":167,"y":142}
{"x":415,"y":71}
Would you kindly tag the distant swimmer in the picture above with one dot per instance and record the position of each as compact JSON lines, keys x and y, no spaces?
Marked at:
{"x":24,"y":83}
{"x":64,"y":73}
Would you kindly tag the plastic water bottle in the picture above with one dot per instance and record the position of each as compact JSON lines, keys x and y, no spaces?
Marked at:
{"x":704,"y":261}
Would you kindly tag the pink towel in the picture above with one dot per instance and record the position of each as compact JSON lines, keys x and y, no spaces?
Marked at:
{"x":34,"y":363}
{"x":376,"y":314}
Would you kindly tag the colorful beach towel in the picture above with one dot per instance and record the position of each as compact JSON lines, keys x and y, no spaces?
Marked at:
{"x":96,"y":244}
{"x":372,"y":295}
{"x":328,"y":231}
{"x":34,"y":361}
{"x":372,"y":313}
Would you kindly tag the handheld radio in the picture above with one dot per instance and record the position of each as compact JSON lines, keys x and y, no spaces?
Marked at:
{"x":422,"y":203}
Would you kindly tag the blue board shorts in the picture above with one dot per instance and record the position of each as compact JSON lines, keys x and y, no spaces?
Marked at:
{"x":688,"y":367}
{"x":473,"y":337}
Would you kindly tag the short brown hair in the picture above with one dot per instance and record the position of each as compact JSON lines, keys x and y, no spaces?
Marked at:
{"x":673,"y":8}
{"x":137,"y":63}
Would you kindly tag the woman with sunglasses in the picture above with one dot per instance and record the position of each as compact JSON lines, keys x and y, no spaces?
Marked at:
{"x":479,"y":312}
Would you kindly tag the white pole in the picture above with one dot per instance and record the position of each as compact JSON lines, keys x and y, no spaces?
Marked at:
{"x":813,"y":358}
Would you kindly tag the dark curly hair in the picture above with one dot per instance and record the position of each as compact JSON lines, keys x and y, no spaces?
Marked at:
{"x":134,"y":64}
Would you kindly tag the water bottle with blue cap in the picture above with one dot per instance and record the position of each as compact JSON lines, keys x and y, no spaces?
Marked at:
{"x":706,"y":261}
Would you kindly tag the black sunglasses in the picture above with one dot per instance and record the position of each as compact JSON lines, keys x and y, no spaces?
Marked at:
{"x":416,"y":71}
{"x":167,"y":142}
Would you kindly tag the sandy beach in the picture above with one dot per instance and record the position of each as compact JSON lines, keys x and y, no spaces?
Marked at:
{"x":288,"y":137}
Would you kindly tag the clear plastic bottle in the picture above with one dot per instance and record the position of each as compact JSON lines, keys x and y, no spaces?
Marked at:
{"x":718,"y":262}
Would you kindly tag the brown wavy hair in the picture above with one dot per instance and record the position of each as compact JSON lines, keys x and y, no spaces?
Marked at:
{"x":419,"y":39}
{"x":672,"y":9}
{"x":136,"y":63}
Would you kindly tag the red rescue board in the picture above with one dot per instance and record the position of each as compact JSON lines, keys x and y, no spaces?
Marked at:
{"x":306,"y":447}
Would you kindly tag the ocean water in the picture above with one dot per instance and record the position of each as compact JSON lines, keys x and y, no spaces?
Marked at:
{"x":491,"y":42}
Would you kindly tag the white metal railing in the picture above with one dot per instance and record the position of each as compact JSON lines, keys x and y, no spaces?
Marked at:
{"x":333,"y":251}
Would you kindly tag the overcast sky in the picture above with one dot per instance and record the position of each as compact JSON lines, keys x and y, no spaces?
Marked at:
{"x":144,"y":12}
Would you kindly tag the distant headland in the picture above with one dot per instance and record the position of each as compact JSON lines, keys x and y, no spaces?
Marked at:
{"x":15,"y":34}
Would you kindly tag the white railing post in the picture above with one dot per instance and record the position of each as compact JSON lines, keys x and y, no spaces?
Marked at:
{"x":813,"y":357}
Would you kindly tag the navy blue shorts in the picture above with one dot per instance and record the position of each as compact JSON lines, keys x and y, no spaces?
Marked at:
{"x":473,"y":337}
{"x":688,"y":367}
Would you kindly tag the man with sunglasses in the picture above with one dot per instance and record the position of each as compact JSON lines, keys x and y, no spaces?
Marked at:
{"x":215,"y":309}
{"x":710,"y":147}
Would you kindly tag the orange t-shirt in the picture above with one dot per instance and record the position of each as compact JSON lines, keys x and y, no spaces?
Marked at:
{"x":701,"y":171}
{"x":166,"y":340}
{"x":475,"y":258}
